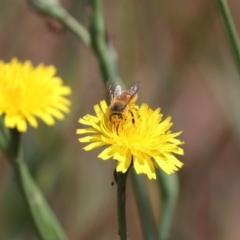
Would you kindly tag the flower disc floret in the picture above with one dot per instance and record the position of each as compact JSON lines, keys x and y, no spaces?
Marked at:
{"x":27,"y":92}
{"x":141,"y":138}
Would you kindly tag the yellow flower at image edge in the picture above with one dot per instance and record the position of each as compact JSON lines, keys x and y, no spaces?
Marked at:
{"x":27,"y":92}
{"x":140,"y":136}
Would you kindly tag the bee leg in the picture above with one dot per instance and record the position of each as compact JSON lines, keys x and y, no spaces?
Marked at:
{"x":117,"y":128}
{"x":133,"y":120}
{"x":120,"y":116}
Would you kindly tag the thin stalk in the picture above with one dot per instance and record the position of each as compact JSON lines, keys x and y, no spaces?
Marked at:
{"x":146,"y":215}
{"x":104,"y":51}
{"x":231,"y":31}
{"x":96,"y":39}
{"x":54,"y":9}
{"x":169,"y":194}
{"x":121,"y":202}
{"x":70,"y":23}
{"x":42,"y":216}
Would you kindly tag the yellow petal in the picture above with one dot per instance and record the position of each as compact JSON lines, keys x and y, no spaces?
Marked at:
{"x":173,"y":159}
{"x":84,"y":121}
{"x":103,"y":106}
{"x":166,"y":166}
{"x":94,"y":138}
{"x":85,"y":130}
{"x":56,"y":113}
{"x":47,"y":118}
{"x":21,"y":125}
{"x":120,"y":153}
{"x":98,"y":111}
{"x":107,"y":153}
{"x":124,"y":164}
{"x":94,"y":145}
{"x":10,"y":121}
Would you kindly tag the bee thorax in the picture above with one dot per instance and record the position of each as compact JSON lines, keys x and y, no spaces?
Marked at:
{"x":117,"y":107}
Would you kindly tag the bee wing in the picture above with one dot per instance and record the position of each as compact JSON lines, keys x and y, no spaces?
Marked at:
{"x":134,"y":88}
{"x":132,"y":91}
{"x":113,"y":89}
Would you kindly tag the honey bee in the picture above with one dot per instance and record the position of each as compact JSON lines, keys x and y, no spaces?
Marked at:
{"x":120,"y":99}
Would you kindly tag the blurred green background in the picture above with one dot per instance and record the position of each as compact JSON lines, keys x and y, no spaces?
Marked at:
{"x":178,"y":50}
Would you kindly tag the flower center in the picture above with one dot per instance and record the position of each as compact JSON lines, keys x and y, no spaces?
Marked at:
{"x":11,"y":94}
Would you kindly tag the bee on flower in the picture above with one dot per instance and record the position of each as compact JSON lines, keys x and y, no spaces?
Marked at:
{"x":120,"y":101}
{"x":131,"y":134}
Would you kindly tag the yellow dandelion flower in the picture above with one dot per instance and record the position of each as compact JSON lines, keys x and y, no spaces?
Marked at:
{"x":140,"y":138}
{"x":27,"y":92}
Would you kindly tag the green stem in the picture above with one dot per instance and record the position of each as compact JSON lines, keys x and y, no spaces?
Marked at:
{"x":230,"y":31}
{"x":54,"y":9}
{"x":70,"y":23}
{"x":4,"y":137}
{"x":105,"y":53}
{"x":148,"y":225}
{"x":121,"y":200}
{"x":169,"y":194}
{"x":43,"y":218}
{"x":96,"y":39}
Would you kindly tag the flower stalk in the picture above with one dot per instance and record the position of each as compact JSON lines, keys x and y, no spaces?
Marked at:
{"x":169,"y":195}
{"x":105,"y":53}
{"x":54,"y":9}
{"x":41,"y":214}
{"x":148,"y":226}
{"x":121,"y":202}
{"x":231,"y":31}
